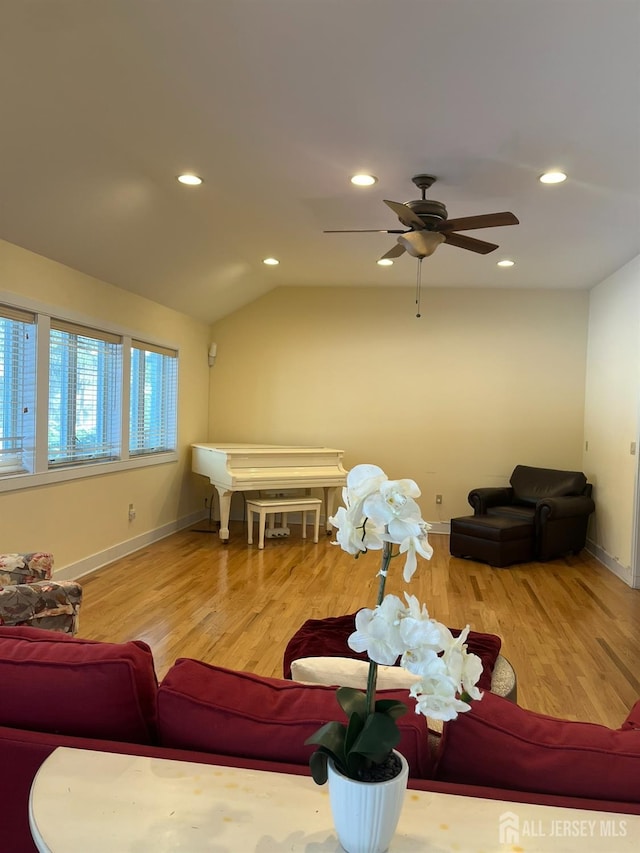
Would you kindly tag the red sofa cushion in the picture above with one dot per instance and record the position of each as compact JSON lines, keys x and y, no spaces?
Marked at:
{"x":328,"y":638}
{"x":52,"y":682}
{"x":501,"y":745}
{"x":212,"y":709}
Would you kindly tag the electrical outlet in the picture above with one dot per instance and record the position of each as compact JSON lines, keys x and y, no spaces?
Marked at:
{"x":132,"y":512}
{"x":438,"y":499}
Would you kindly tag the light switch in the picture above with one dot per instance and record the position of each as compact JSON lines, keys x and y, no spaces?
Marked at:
{"x":632,"y":448}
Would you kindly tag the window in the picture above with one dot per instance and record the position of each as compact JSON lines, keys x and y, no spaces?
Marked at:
{"x":17,"y":390}
{"x":153,"y":399}
{"x":76,"y":400}
{"x":85,"y":368}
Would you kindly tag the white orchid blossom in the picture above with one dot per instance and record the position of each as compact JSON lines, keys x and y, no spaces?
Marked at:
{"x":379,"y":513}
{"x":436,"y":698}
{"x":417,"y":630}
{"x":378,"y":632}
{"x":378,"y":510}
{"x":466,"y":669}
{"x":393,"y":499}
{"x":415,"y":542}
{"x":426,"y":648}
{"x":363,"y":480}
{"x":355,"y":537}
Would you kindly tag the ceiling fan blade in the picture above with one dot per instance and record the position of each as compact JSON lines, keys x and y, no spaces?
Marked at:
{"x":405,"y":215}
{"x":366,"y":231}
{"x":394,"y":252}
{"x":464,"y":242}
{"x":485,"y":220}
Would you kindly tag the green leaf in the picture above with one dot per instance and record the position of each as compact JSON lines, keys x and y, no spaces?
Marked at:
{"x":378,"y":737}
{"x":391,"y":707}
{"x":352,"y":701}
{"x":355,"y":726}
{"x":367,"y":738}
{"x":331,"y":736}
{"x":356,"y":763}
{"x":318,"y":765}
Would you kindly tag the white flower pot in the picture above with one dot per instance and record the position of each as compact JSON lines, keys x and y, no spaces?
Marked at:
{"x":365,"y":814}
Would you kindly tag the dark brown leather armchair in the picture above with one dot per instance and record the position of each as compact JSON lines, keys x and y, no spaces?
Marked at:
{"x":558,"y":503}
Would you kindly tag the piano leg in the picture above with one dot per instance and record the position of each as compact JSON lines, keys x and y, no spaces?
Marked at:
{"x":224,"y":497}
{"x":330,"y":493}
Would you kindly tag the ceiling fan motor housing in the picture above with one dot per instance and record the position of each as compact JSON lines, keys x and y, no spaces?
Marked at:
{"x":432,"y":213}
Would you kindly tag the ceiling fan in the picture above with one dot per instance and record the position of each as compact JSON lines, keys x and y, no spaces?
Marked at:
{"x":427,"y":226}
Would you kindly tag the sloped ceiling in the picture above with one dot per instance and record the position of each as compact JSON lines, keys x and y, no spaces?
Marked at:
{"x":275,"y":103}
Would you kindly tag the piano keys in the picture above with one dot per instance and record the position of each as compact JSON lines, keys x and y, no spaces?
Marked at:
{"x":254,"y":467}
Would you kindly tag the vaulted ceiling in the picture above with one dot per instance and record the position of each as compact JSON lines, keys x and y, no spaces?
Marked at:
{"x":276,"y":103}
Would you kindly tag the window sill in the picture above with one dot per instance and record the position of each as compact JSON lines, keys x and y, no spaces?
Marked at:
{"x":16,"y":482}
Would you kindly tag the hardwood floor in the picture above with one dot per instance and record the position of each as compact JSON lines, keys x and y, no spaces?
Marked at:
{"x":569,"y":627}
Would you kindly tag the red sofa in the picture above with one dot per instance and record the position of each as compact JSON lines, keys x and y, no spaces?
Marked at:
{"x":56,"y":690}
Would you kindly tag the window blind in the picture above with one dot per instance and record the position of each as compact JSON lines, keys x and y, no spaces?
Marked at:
{"x":85,"y":368}
{"x":153,"y":399}
{"x":17,"y":390}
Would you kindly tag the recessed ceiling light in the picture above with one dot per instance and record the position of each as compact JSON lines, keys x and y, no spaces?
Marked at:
{"x":363,"y":180}
{"x":553,"y":177}
{"x":190,"y":180}
{"x":385,"y":262}
{"x":271,"y":262}
{"x":505,"y":263}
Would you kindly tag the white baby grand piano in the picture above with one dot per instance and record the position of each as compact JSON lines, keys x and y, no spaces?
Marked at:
{"x":253,"y":467}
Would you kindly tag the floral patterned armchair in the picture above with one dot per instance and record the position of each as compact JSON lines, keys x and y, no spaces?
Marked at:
{"x":28,"y":596}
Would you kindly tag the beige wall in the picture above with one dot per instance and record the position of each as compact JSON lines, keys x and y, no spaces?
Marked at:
{"x":85,"y":522}
{"x":611,"y":413}
{"x":484,"y":380}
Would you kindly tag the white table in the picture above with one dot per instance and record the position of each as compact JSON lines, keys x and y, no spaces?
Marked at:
{"x":109,"y":803}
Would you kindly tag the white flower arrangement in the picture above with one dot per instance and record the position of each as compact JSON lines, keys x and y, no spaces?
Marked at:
{"x":379,"y":514}
{"x":379,"y":510}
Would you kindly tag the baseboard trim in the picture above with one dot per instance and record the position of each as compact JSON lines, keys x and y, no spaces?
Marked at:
{"x":609,"y":562}
{"x":440,"y":527}
{"x":83,"y":567}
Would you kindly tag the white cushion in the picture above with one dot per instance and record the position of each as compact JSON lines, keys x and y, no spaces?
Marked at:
{"x":348,"y":672}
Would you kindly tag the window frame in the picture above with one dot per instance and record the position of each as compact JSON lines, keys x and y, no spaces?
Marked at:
{"x":167,"y":403}
{"x":18,"y":406}
{"x":72,"y":344}
{"x":41,"y":473}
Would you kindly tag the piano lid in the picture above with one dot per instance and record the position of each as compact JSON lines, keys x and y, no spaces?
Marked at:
{"x":238,"y":466}
{"x":239,"y":449}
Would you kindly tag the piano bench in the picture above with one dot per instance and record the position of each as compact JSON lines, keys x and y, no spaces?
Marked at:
{"x":270,"y":506}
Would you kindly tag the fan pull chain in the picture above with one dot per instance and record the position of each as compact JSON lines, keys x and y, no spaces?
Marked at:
{"x":418,"y":284}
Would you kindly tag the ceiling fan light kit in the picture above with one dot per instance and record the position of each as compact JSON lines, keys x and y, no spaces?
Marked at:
{"x":420,"y":244}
